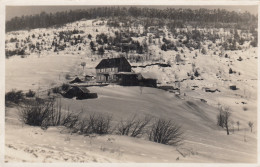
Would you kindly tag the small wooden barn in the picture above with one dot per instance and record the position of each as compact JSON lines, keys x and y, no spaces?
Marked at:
{"x":127,"y":79}
{"x":76,"y":80}
{"x":79,"y":93}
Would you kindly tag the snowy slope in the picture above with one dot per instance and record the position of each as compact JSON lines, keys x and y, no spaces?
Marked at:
{"x":204,"y":141}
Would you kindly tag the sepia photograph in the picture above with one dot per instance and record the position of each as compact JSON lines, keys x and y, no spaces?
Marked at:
{"x":135,"y":83}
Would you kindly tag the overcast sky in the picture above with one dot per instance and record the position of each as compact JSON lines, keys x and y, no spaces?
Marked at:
{"x":13,"y":11}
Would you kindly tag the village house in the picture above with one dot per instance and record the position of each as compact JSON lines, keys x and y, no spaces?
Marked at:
{"x":107,"y":69}
{"x":118,"y":70}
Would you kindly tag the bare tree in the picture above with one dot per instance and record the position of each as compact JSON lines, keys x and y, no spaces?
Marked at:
{"x":227,"y":115}
{"x":224,"y":118}
{"x":220,"y":118}
{"x":238,"y":123}
{"x":251,"y":124}
{"x":141,"y":89}
{"x":232,"y":125}
{"x":83,"y":64}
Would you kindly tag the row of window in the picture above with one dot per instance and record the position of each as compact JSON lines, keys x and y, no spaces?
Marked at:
{"x":102,"y":77}
{"x":107,"y":70}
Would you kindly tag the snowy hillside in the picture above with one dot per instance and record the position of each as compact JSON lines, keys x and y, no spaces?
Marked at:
{"x":41,"y":59}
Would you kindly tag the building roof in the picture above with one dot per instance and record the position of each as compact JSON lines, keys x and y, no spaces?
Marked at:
{"x":76,"y":80}
{"x":112,"y":62}
{"x":82,"y":89}
{"x":89,"y":76}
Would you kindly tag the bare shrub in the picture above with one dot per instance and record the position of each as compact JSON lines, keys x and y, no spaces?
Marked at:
{"x":123,"y":128}
{"x":43,"y":112}
{"x":30,"y":93}
{"x":37,"y":112}
{"x":100,"y":124}
{"x":133,"y":127}
{"x":14,"y":96}
{"x":139,"y":126}
{"x":48,"y":112}
{"x":93,"y":124}
{"x":166,"y":132}
{"x":71,"y":121}
{"x":84,"y":127}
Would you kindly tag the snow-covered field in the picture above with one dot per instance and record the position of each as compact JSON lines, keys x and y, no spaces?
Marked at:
{"x":204,"y":141}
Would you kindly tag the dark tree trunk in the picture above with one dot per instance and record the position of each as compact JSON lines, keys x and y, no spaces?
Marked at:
{"x":227,"y":131}
{"x":226,"y":124}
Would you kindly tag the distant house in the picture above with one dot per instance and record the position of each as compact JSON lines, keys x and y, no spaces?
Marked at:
{"x":79,"y":93}
{"x":76,"y":80}
{"x":88,"y":77}
{"x":76,"y":91}
{"x":107,"y":69}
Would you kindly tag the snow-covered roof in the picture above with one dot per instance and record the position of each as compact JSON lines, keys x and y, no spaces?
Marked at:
{"x":127,"y":73}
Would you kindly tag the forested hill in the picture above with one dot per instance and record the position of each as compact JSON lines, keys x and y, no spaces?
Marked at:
{"x":182,"y":17}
